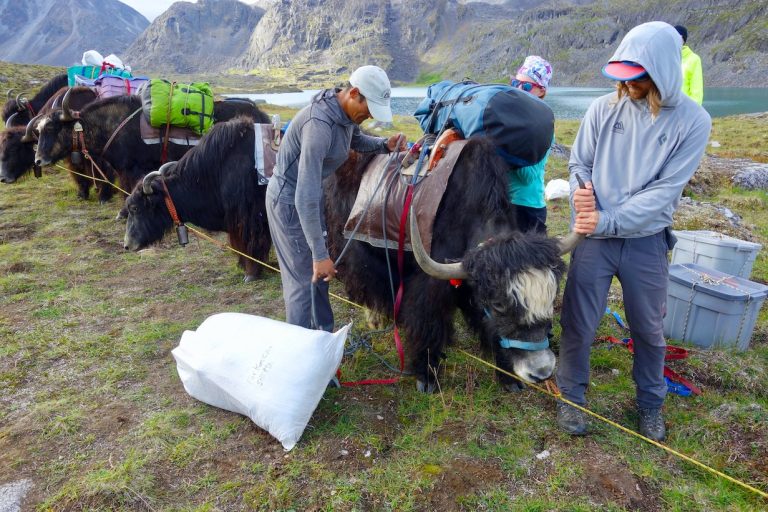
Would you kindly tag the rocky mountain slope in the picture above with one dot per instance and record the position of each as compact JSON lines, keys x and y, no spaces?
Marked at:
{"x":59,"y":31}
{"x":317,"y":41}
{"x":207,"y":36}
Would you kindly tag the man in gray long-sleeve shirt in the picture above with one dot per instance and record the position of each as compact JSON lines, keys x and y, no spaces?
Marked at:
{"x":636,"y":149}
{"x":317,"y":143}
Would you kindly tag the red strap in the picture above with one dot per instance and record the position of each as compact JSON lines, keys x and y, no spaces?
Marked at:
{"x":398,"y":297}
{"x":673,"y":353}
{"x":127,"y":87}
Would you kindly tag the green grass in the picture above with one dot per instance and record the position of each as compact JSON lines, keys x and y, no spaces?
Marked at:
{"x":92,"y":408}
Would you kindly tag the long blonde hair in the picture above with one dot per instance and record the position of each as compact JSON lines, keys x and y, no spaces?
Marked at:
{"x":653,"y":97}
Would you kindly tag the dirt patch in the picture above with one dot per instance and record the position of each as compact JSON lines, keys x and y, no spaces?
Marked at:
{"x":460,"y":478}
{"x":14,"y":233}
{"x":20,"y":267}
{"x":608,"y":481}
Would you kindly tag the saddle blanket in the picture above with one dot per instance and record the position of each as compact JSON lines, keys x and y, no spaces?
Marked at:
{"x":378,"y":217}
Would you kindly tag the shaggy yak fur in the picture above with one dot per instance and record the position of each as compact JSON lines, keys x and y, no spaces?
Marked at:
{"x":127,"y":156}
{"x":214,"y":186}
{"x":38,"y":100}
{"x":474,"y":225}
{"x":17,"y":156}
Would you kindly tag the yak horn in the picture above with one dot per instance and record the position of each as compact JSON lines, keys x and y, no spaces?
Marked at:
{"x":569,"y":242}
{"x":10,"y":92}
{"x":167,"y":165}
{"x":146,"y":184}
{"x":20,"y":101}
{"x":29,"y":135}
{"x":444,"y":271}
{"x":10,"y":119}
{"x":65,"y":110}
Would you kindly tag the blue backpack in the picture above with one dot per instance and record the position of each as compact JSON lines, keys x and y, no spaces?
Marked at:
{"x":520,"y":124}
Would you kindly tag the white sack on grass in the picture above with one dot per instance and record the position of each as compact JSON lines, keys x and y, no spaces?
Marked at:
{"x":273,"y":372}
{"x":556,"y":189}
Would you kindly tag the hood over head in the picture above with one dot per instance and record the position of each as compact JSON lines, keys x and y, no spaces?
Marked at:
{"x":656,"y":47}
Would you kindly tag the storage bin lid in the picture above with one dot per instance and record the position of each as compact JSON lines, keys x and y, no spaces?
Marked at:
{"x":719,"y":239}
{"x":713,"y":282}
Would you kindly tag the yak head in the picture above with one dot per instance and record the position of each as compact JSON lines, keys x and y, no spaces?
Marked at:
{"x":16,"y":155}
{"x":514,"y":279}
{"x":145,"y":210}
{"x":15,"y":111}
{"x":57,"y":127}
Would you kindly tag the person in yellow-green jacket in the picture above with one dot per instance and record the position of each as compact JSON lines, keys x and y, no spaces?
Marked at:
{"x":693,"y":78}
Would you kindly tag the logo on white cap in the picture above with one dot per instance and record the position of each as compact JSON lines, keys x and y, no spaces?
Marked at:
{"x":373,"y":83}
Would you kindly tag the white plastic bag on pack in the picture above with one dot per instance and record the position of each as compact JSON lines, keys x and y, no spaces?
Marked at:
{"x":92,"y":58}
{"x":556,"y":189}
{"x":273,"y":372}
{"x":114,"y":60}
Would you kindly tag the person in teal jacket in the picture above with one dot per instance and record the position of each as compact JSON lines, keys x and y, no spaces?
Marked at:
{"x":526,"y":184}
{"x":693,"y":77}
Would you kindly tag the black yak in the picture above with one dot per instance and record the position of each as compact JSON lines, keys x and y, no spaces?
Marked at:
{"x":19,"y":111}
{"x":214,"y":186}
{"x":127,"y":153}
{"x":510,"y":279}
{"x":17,"y":145}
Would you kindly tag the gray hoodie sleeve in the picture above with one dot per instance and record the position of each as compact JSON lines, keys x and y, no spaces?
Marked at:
{"x":663,"y":193}
{"x":583,"y":150}
{"x":316,"y":140}
{"x":368,"y":144}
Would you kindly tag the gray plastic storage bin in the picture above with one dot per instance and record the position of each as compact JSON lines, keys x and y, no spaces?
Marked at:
{"x":716,"y":251}
{"x":711,"y":308}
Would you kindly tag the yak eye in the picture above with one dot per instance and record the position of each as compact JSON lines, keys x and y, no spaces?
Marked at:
{"x":133,"y":208}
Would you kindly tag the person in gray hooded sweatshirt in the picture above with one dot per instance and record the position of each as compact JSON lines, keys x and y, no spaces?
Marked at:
{"x":636,"y":149}
{"x":317,"y":143}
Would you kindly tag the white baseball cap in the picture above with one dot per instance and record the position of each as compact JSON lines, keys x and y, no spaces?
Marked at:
{"x":373,"y":83}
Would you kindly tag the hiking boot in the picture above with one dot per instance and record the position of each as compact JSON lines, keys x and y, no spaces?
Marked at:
{"x":652,"y":424}
{"x":334,"y":382}
{"x":571,"y":419}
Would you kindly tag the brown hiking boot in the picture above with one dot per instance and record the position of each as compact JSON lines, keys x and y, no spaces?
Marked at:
{"x":571,"y":419}
{"x":652,"y":424}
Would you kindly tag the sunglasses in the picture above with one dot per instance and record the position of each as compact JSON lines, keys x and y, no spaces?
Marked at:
{"x":526,"y":86}
{"x":642,"y":78}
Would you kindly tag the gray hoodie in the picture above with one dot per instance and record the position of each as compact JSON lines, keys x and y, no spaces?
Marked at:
{"x":316,"y":143}
{"x":639,"y":165}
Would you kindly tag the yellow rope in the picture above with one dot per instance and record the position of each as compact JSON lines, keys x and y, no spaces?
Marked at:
{"x":556,"y":396}
{"x":227,"y":247}
{"x":93,"y":178}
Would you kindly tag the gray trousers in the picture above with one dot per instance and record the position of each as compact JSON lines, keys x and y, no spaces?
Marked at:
{"x":295,"y":259}
{"x":641,"y":266}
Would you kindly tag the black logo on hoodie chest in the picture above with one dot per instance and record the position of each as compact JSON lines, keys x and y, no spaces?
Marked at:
{"x":618,"y":127}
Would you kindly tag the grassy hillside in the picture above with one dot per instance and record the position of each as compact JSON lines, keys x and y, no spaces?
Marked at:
{"x":92,"y":411}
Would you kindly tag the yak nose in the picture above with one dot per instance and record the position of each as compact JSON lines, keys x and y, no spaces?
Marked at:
{"x":4,"y":179}
{"x":39,"y":162}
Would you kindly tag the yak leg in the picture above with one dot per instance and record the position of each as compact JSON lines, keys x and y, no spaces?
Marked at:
{"x":507,"y":382}
{"x":476,"y":319}
{"x":427,"y":319}
{"x":83,"y":185}
{"x":259,"y":243}
{"x":252,"y":269}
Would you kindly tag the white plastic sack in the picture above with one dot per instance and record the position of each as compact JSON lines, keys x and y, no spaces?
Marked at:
{"x":274,"y":373}
{"x":92,"y":58}
{"x":114,"y":60}
{"x":556,"y":189}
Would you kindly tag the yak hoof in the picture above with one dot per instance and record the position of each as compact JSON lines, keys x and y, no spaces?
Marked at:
{"x":376,"y":320}
{"x":248,"y":278}
{"x":513,"y":387}
{"x":428,"y":388}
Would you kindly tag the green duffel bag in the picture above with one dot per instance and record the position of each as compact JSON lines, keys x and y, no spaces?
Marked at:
{"x":185,"y":105}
